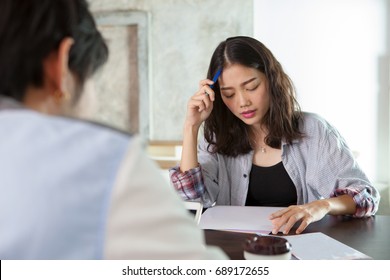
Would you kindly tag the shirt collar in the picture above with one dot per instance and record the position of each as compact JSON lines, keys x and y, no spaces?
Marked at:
{"x":10,"y":103}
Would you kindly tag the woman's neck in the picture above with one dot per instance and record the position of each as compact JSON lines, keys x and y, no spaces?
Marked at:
{"x":258,"y":135}
{"x":42,"y":101}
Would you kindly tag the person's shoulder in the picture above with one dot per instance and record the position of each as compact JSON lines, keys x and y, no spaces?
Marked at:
{"x":88,"y":127}
{"x":314,"y":122}
{"x":99,"y":127}
{"x":310,"y":117}
{"x":59,"y":128}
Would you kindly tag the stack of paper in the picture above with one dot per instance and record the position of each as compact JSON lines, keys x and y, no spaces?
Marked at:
{"x":238,"y":218}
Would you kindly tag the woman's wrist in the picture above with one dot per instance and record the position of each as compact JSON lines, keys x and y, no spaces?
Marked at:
{"x":341,"y":205}
{"x":189,"y":157}
{"x":190,"y":128}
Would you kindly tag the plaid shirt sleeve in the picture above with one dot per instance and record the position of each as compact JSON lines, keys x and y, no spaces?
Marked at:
{"x":189,"y":184}
{"x":365,"y":206}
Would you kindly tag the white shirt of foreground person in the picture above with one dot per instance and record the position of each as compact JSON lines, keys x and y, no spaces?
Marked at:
{"x":75,"y":190}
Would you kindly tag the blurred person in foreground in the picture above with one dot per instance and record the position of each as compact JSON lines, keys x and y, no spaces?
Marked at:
{"x":71,"y":189}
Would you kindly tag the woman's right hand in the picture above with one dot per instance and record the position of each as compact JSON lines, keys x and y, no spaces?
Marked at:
{"x":201,"y":104}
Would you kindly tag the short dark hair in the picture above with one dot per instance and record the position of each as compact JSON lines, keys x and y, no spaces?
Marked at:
{"x":30,"y":30}
{"x":226,"y":133}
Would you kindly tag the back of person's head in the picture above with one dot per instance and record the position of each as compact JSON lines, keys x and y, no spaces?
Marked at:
{"x":31,"y":30}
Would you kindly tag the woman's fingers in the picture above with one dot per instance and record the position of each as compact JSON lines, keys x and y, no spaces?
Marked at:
{"x":290,"y":222}
{"x":204,"y":87}
{"x":280,"y":222}
{"x":286,"y":218}
{"x":206,"y":96}
{"x":204,"y":82}
{"x":279,"y":213}
{"x":208,"y":92}
{"x":200,"y":104}
{"x":303,"y":226}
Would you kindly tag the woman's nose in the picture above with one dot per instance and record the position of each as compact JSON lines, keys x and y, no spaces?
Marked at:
{"x":244,"y":100}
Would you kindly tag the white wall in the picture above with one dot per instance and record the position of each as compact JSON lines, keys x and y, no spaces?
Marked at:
{"x":336,"y":52}
{"x":183,"y":36}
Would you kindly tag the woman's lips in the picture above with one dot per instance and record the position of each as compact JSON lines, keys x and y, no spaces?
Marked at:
{"x":248,"y":114}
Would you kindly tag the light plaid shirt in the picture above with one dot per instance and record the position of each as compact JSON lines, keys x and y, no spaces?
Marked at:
{"x":321,"y":166}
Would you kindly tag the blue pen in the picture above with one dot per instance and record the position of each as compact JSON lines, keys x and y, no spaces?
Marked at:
{"x":216,"y":76}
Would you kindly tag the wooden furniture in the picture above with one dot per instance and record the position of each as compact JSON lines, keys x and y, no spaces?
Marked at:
{"x":370,"y":236}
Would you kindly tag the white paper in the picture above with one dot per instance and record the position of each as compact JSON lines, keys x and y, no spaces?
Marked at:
{"x":238,"y":218}
{"x":319,"y":246}
{"x":305,"y":246}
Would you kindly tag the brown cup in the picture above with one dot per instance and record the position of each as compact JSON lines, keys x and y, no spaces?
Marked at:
{"x":267,"y":248}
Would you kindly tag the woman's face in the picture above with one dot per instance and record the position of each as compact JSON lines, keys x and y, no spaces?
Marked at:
{"x":244,"y":91}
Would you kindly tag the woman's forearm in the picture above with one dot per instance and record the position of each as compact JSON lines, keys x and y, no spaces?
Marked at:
{"x":189,"y":156}
{"x":341,"y":205}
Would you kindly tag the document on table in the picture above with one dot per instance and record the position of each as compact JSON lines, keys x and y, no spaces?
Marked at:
{"x":238,"y":218}
{"x":319,"y":246}
{"x":306,"y":246}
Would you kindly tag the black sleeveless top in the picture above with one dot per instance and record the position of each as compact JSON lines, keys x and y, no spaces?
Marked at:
{"x":270,"y":186}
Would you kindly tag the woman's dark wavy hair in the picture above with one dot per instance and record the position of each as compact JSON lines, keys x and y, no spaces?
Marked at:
{"x":226,"y":133}
{"x":31,"y":29}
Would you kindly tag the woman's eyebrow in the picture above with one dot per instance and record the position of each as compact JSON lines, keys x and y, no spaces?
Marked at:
{"x":242,"y":84}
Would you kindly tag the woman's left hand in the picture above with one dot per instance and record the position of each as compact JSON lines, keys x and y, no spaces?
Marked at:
{"x":311,"y":212}
{"x":308,"y":213}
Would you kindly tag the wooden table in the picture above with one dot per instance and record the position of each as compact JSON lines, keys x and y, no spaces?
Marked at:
{"x":370,"y":236}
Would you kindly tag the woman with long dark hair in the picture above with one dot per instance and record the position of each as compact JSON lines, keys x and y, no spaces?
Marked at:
{"x":259,"y":149}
